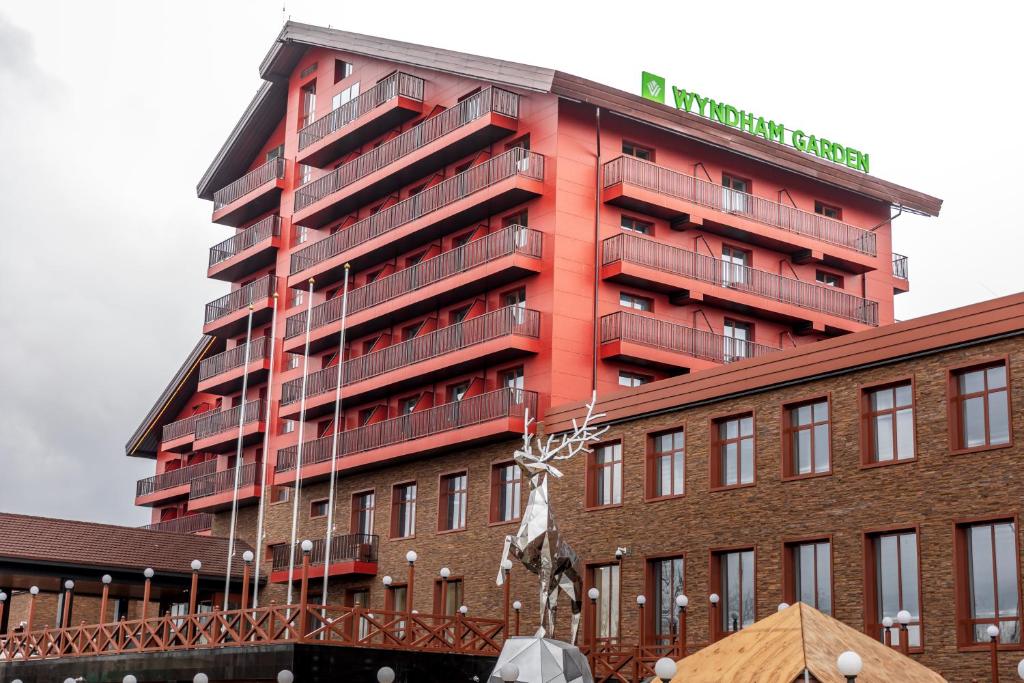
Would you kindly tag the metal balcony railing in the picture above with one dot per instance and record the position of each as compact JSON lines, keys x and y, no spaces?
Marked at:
{"x":514,"y":162}
{"x":248,"y":238}
{"x":469,"y":110}
{"x":273,"y":169}
{"x":514,"y":239}
{"x":225,"y":420}
{"x":387,"y":89}
{"x":183,"y":427}
{"x":899,"y":266}
{"x":358,"y":547}
{"x":233,"y":358}
{"x":511,"y":320}
{"x":240,"y":298}
{"x":675,"y":184}
{"x":189,"y":524}
{"x":669,"y":259}
{"x":174,"y":478}
{"x":446,"y":417}
{"x":639,"y":329}
{"x":222,"y":481}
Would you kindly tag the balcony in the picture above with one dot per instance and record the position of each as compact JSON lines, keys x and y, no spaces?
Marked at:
{"x":216,"y":491}
{"x":393,"y":100}
{"x":189,"y":524}
{"x":687,"y":276}
{"x":226,"y":316}
{"x":470,"y":125}
{"x":224,"y":373}
{"x":167,"y":486}
{"x":900,"y":274}
{"x":486,"y":417}
{"x":248,"y":251}
{"x":217,"y":432}
{"x":686,"y":200}
{"x":488,"y":188}
{"x":669,"y":346}
{"x":492,"y":261}
{"x":179,"y":435}
{"x":350,"y":554}
{"x":255,"y":193}
{"x":487,"y":339}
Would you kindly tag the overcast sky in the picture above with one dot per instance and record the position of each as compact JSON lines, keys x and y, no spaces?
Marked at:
{"x":111,"y":111}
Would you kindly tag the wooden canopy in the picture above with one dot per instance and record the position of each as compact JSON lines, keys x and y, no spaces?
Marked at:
{"x":779,"y":648}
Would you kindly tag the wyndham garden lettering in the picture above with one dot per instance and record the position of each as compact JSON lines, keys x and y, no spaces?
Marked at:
{"x":653,"y":88}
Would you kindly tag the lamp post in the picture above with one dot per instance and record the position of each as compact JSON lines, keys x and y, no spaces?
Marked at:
{"x":129,"y":679}
{"x":509,"y":673}
{"x":444,"y":573}
{"x":903,"y":617}
{"x":849,"y":665}
{"x":506,"y":568}
{"x":200,"y":678}
{"x":247,"y":557}
{"x":3,"y":603}
{"x":665,"y":669}
{"x":306,"y":546}
{"x":148,"y":573}
{"x":593,"y":594}
{"x":517,"y":606}
{"x":285,"y":676}
{"x":410,"y":557}
{"x":713,"y":616}
{"x":385,"y":674}
{"x":69,"y":592}
{"x":194,"y":589}
{"x":1020,"y":669}
{"x":681,"y":603}
{"x":783,"y":606}
{"x":993,"y":637}
{"x":33,"y":592}
{"x":887,"y":631}
{"x":641,"y":600}
{"x":105,"y":580}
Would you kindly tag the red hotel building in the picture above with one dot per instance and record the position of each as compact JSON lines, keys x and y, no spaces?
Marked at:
{"x":516,"y":237}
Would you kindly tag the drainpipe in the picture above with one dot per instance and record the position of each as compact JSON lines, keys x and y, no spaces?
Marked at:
{"x":597,"y":240}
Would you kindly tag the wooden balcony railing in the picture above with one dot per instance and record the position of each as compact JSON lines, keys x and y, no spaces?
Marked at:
{"x":189,"y":524}
{"x":639,"y":329}
{"x":514,"y":239}
{"x":273,"y":169}
{"x":394,"y":85}
{"x":514,"y":162}
{"x":899,"y":266}
{"x":233,"y":358}
{"x":216,"y":422}
{"x":248,"y":238}
{"x":511,"y":320}
{"x":222,"y":481}
{"x":358,"y":547}
{"x":470,"y":109}
{"x":183,"y":427}
{"x":669,"y":259}
{"x":442,"y":418}
{"x":665,"y":181}
{"x":174,"y":478}
{"x":240,"y":298}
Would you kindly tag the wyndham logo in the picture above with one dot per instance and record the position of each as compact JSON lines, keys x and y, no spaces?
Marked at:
{"x":652,"y":87}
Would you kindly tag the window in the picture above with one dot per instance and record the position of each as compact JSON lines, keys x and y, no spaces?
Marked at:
{"x":512,"y":378}
{"x":828,"y":211}
{"x":448,"y":596}
{"x":633,"y":379}
{"x":522,"y":142}
{"x":520,"y":218}
{"x":823,"y":277}
{"x":736,"y":343}
{"x":980,"y":407}
{"x":408,"y":405}
{"x":637,"y":303}
{"x":735,"y":194}
{"x":318,"y":508}
{"x":403,"y":511}
{"x":733,"y":439}
{"x":342,"y":70}
{"x":363,"y":505}
{"x":633,"y":150}
{"x":308,"y":104}
{"x":988,"y":581}
{"x":296,"y":297}
{"x":452,"y":515}
{"x":666,"y":464}
{"x":889,"y":423}
{"x":506,"y":492}
{"x":275,"y":153}
{"x":735,"y":266}
{"x":665,"y":576}
{"x":280,"y":494}
{"x":305,"y":173}
{"x":893,"y":578}
{"x":457,"y":392}
{"x":806,"y":439}
{"x":345,"y":96}
{"x":287,"y":427}
{"x":605,"y":619}
{"x":733,"y":571}
{"x":635,"y":225}
{"x":808,"y":572}
{"x":294,"y":361}
{"x":517,"y":297}
{"x":605,"y":475}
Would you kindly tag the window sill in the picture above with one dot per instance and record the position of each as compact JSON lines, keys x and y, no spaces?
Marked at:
{"x":801,"y":477}
{"x":444,"y":532}
{"x":658,"y":499}
{"x":885,"y":463}
{"x":595,"y":508}
{"x":985,"y":647}
{"x":981,"y":449}
{"x":401,"y":538}
{"x":732,"y":487}
{"x":505,"y":522}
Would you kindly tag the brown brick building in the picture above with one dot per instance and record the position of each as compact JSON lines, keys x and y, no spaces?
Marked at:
{"x":923,"y":521}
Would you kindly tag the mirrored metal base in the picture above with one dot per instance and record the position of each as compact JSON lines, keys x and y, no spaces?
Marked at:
{"x":542,"y":660}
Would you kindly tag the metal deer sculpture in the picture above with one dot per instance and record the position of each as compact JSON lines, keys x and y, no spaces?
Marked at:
{"x":539,"y":544}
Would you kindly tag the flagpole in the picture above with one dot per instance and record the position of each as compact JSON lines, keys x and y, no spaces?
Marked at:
{"x":298,"y":451}
{"x":238,"y":460}
{"x":334,"y":439}
{"x":266,"y":461}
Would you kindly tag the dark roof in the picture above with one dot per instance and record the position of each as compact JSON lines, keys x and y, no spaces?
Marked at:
{"x":968,"y":325}
{"x":146,"y":440}
{"x":72,"y":543}
{"x":265,"y":111}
